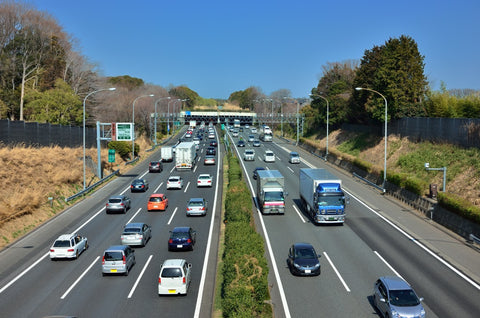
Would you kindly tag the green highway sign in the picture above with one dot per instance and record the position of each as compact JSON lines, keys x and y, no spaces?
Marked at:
{"x":124,"y":131}
{"x":111,"y":155}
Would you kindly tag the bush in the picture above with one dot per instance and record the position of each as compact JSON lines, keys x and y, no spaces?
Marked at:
{"x":459,"y":206}
{"x":123,"y":148}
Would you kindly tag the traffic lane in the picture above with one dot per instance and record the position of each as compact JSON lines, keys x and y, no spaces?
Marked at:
{"x":444,"y":291}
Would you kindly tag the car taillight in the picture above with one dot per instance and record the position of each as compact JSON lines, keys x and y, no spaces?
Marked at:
{"x":52,"y":250}
{"x":124,"y":260}
{"x":189,"y":241}
{"x":122,"y":204}
{"x":170,"y":241}
{"x":70,"y":250}
{"x":203,"y":208}
{"x":131,"y":186}
{"x":159,"y":280}
{"x":107,"y":204}
{"x":184,"y":280}
{"x":103,"y":260}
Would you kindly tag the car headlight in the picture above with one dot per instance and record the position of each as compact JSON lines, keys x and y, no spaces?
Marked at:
{"x":422,"y":313}
{"x":395,"y":314}
{"x":317,"y":265}
{"x":323,"y":211}
{"x":296,"y":265}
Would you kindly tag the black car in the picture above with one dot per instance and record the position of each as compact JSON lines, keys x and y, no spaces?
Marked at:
{"x":182,"y":238}
{"x":255,"y":172}
{"x":211,"y":151}
{"x":213,"y":143}
{"x":139,"y":185}
{"x":155,"y":166}
{"x":303,"y":260}
{"x":241,"y":143}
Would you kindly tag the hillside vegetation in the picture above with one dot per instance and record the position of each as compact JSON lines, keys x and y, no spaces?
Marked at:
{"x":31,"y":176}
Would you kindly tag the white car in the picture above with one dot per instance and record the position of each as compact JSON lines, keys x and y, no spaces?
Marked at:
{"x":174,"y":182}
{"x":269,"y":156}
{"x":204,"y":180}
{"x":174,"y":277}
{"x":249,"y":155}
{"x":68,"y":246}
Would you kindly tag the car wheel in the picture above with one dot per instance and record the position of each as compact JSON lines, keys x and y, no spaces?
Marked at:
{"x":126,"y":272}
{"x":76,"y":254}
{"x":86,"y":246}
{"x":125,"y":210}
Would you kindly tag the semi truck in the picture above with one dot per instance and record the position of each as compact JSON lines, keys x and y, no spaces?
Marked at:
{"x":185,"y":155}
{"x":271,"y":192}
{"x":166,"y":154}
{"x":322,"y":196}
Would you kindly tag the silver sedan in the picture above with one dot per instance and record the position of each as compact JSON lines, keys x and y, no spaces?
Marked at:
{"x":136,"y":234}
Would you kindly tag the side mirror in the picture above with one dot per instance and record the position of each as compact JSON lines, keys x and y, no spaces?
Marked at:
{"x":382,"y":300}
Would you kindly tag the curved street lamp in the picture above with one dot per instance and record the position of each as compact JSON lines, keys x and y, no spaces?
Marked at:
{"x":155,"y":120}
{"x":385,"y":155}
{"x":326,"y":148}
{"x":84,"y":101}
{"x":133,"y":122}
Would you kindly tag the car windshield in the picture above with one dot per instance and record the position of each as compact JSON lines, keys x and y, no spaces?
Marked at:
{"x":171,"y":272}
{"x":249,"y":152}
{"x":274,"y":196}
{"x":305,"y":253}
{"x":132,"y":230}
{"x":173,"y":180}
{"x":204,"y":177}
{"x":403,"y":298}
{"x":331,"y":200}
{"x":113,"y":256}
{"x":115,"y":201}
{"x":62,"y":243}
{"x":294,"y":155}
{"x":155,"y":199}
{"x":138,"y":182}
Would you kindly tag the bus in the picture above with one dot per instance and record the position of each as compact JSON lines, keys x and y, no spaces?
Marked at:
{"x":236,"y":123}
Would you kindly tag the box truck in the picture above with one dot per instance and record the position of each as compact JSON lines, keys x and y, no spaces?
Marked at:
{"x":185,"y":155}
{"x":271,"y":192}
{"x":322,"y":196}
{"x":166,"y":154}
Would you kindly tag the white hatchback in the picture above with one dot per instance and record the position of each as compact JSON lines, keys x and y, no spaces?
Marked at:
{"x":68,"y":246}
{"x":269,"y":156}
{"x":174,"y":277}
{"x":174,"y":182}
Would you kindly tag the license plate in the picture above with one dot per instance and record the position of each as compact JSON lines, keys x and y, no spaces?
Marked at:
{"x":331,"y":219}
{"x":113,"y":271}
{"x":308,"y":271}
{"x":172,"y":291}
{"x":155,"y":206}
{"x":179,"y":246}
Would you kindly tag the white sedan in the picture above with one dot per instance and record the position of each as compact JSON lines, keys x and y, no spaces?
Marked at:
{"x":204,"y":180}
{"x":68,"y":246}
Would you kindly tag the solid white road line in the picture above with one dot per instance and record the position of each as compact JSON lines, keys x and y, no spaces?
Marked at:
{"x":299,"y":214}
{"x":389,"y":266}
{"x":79,"y":278}
{"x":158,"y":188}
{"x":336,"y":272}
{"x":138,"y":211}
{"x":173,"y":214}
{"x":139,"y":277}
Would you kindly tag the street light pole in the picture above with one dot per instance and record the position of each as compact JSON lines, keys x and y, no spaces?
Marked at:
{"x":84,"y":101}
{"x":168,"y":116}
{"x":155,"y":120}
{"x":133,"y":123}
{"x":385,"y":155}
{"x":326,"y":148}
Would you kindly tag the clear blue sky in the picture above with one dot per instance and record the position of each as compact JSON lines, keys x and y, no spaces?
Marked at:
{"x":218,"y":47}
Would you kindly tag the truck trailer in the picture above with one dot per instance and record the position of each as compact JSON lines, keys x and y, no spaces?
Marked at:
{"x":185,"y":155}
{"x":271,"y":192}
{"x":166,"y":154}
{"x":322,"y":196}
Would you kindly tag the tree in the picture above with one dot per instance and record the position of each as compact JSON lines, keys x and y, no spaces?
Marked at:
{"x":183,"y":92}
{"x":59,"y":105}
{"x":246,"y":98}
{"x":396,"y":70}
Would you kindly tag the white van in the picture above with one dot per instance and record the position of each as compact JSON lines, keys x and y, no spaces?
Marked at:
{"x":175,"y":277}
{"x":269,"y":156}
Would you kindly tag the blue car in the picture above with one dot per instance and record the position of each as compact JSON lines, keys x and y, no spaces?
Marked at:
{"x":303,"y":260}
{"x":182,"y":238}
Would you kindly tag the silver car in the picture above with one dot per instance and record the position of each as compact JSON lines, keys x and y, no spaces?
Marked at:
{"x":118,"y":259}
{"x":136,"y":234}
{"x":174,"y":182}
{"x":118,"y":203}
{"x":249,"y":155}
{"x":393,"y":297}
{"x":197,"y":206}
{"x":294,"y":157}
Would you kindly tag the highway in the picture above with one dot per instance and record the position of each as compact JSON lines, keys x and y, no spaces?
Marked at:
{"x":354,"y":255}
{"x":31,"y":285}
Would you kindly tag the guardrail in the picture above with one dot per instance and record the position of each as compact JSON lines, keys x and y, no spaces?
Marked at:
{"x":91,"y":187}
{"x":474,"y":239}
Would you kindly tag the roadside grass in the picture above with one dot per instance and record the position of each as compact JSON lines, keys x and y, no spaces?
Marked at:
{"x":30,"y":176}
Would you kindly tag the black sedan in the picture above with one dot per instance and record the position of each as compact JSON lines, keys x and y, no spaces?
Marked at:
{"x":303,"y":260}
{"x":213,"y":143}
{"x":211,"y":151}
{"x":139,"y":185}
{"x":241,"y":143}
{"x":182,"y":238}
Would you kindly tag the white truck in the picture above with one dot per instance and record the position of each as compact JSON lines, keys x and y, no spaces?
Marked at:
{"x":185,"y":155}
{"x":193,"y":124}
{"x":271,"y":192}
{"x":322,"y":196}
{"x":166,"y":154}
{"x":266,"y":133}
